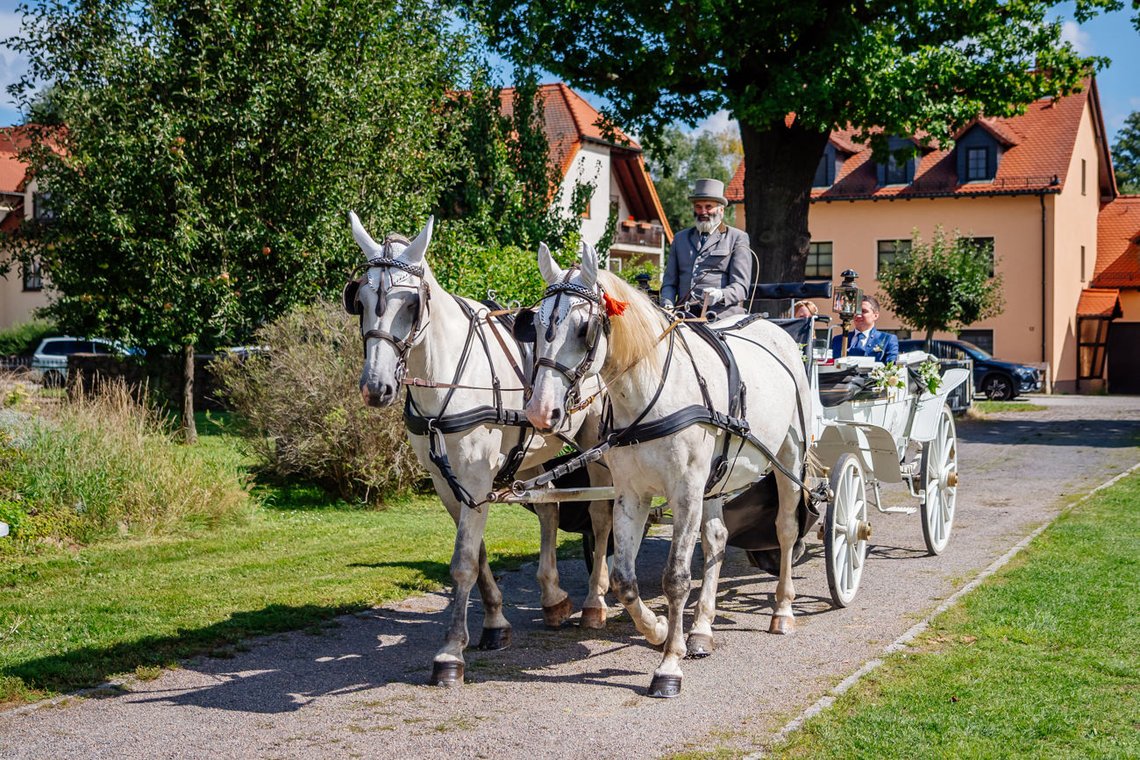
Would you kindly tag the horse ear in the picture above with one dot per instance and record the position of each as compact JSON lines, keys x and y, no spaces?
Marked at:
{"x":370,"y":247}
{"x":414,"y":253}
{"x":551,"y":272}
{"x":589,"y":265}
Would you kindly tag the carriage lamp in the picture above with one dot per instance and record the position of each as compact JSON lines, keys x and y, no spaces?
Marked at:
{"x":848,"y":302}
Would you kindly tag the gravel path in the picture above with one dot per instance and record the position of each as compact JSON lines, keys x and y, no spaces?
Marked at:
{"x":357,"y":690}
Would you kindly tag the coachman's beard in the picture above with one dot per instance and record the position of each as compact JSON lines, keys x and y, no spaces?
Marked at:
{"x":706,"y":223}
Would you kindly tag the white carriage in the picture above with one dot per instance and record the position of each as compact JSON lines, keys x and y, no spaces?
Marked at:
{"x":890,"y":434}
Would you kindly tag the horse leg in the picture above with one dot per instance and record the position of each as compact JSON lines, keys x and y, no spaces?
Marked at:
{"x":714,"y":535}
{"x":468,"y":567}
{"x":556,"y":604}
{"x":630,"y":514}
{"x":787,"y":532}
{"x":677,"y":583}
{"x":594,"y":607}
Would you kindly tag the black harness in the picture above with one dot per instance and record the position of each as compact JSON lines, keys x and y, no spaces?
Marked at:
{"x":734,"y":422}
{"x":441,"y":424}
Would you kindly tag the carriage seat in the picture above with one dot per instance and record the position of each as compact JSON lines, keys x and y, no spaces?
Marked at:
{"x":840,"y":385}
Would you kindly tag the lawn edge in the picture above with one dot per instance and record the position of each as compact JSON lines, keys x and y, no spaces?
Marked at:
{"x":910,"y":634}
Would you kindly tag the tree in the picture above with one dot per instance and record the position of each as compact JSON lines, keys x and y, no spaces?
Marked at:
{"x":211,"y":150}
{"x":944,"y":285}
{"x":1126,"y":155}
{"x":678,"y":159}
{"x":792,"y":72}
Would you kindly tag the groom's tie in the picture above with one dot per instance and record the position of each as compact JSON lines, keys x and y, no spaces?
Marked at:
{"x":856,"y":342}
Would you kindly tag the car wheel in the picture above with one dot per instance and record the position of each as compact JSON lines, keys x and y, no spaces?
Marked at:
{"x":998,"y":387}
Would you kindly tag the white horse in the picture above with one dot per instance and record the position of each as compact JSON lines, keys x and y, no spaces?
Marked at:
{"x":464,"y":427}
{"x":653,"y":375}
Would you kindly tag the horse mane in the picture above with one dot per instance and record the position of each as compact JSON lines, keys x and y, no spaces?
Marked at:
{"x":634,"y":334}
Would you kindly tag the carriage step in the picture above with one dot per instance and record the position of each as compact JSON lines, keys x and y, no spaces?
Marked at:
{"x":898,"y":510}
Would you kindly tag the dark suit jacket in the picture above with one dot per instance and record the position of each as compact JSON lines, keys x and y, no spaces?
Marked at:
{"x":723,"y":262}
{"x":883,"y":346}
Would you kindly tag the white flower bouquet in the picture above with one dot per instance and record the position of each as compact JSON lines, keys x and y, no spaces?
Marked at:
{"x":889,"y":377}
{"x":929,"y":376}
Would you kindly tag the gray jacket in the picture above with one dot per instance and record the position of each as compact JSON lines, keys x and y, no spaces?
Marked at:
{"x":723,"y":262}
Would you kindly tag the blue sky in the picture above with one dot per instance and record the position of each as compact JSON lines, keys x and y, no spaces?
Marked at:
{"x":1110,"y":35}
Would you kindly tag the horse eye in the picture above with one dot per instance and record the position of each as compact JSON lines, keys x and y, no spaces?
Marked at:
{"x":582,"y":329}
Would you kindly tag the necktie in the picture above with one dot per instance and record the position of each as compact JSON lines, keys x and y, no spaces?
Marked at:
{"x":704,"y":237}
{"x":856,"y":342}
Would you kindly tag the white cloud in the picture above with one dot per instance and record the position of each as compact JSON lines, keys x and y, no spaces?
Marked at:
{"x":1071,"y":32}
{"x":718,"y":122}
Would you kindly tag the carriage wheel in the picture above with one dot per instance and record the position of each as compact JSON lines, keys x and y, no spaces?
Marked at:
{"x":846,"y":529}
{"x":940,"y":481}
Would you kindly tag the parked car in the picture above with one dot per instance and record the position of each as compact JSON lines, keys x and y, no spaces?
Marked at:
{"x":993,"y":378}
{"x":50,"y":357}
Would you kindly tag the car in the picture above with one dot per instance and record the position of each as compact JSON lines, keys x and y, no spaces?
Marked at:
{"x":993,"y":378}
{"x":50,"y":357}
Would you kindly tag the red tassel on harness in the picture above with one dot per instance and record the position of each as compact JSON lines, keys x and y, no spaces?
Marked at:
{"x":614,"y":307}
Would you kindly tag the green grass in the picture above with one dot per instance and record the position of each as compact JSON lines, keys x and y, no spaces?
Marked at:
{"x":989,"y":407}
{"x":1040,"y":661}
{"x":72,"y":618}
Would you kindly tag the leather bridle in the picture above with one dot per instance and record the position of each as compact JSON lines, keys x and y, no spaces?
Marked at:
{"x":598,"y":323}
{"x":353,"y":305}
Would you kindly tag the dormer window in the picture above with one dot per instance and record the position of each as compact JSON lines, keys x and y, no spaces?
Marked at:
{"x":829,"y":165}
{"x":977,"y":163}
{"x":979,"y":152}
{"x":895,"y":170}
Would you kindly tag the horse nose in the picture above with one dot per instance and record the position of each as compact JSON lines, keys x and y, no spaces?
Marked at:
{"x":538,"y":419}
{"x":378,"y":394}
{"x":555,"y":418}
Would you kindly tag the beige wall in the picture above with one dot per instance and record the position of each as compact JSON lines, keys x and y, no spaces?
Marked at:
{"x":1130,"y":305}
{"x":1014,"y":222}
{"x":1073,"y":226}
{"x":16,"y":305}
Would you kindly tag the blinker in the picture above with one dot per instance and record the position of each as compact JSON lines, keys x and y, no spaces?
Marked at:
{"x":350,"y":297}
{"x":524,"y":330}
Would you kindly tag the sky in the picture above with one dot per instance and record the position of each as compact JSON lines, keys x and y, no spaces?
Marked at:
{"x":1110,"y":35}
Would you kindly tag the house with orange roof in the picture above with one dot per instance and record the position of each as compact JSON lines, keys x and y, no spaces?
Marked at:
{"x":21,"y":292}
{"x":1035,"y":187}
{"x":614,"y":164}
{"x":1112,"y":303}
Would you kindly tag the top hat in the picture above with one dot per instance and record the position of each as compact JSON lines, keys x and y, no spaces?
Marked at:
{"x":709,"y":190}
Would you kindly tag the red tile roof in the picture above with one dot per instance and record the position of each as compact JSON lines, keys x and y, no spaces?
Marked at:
{"x":1118,"y":244}
{"x":1100,"y":302}
{"x":569,"y":121}
{"x":1039,"y":145}
{"x":13,"y":172}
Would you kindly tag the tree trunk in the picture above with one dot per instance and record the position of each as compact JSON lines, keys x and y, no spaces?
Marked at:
{"x":779,"y":166}
{"x":189,"y":428}
{"x":929,"y":340}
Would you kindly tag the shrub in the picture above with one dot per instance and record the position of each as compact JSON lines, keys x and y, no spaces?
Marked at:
{"x":105,"y":464}
{"x":299,"y":403}
{"x":22,"y":339}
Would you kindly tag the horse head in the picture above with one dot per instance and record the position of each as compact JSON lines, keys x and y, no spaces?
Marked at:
{"x":392,"y":299}
{"x":571,"y":327}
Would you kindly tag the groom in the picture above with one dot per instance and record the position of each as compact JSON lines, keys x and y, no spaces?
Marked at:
{"x":865,"y":340}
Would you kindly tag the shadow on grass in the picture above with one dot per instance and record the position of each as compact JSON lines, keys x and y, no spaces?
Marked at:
{"x":93,"y":666}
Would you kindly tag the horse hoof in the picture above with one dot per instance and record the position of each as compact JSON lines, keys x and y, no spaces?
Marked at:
{"x":555,"y":615}
{"x":782,"y":624}
{"x":698,"y":645}
{"x":594,"y":617}
{"x":665,"y":687}
{"x":446,"y":673}
{"x":495,"y":638}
